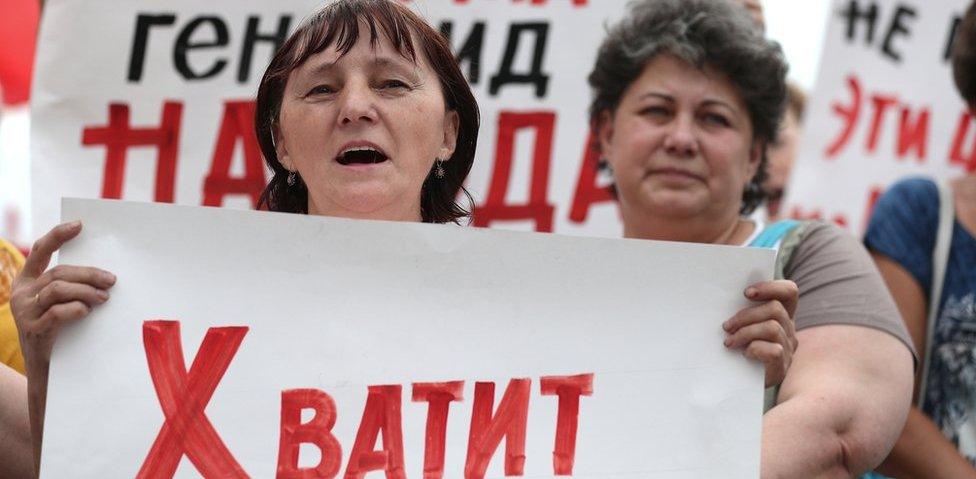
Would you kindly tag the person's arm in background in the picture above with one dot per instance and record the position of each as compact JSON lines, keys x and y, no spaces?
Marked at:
{"x":921,"y":451}
{"x":841,"y":406}
{"x":16,"y":457}
{"x":901,"y":238}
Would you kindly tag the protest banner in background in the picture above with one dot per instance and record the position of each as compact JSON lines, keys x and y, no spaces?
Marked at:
{"x":469,"y":352}
{"x":140,"y":101}
{"x":884,"y":107}
{"x":18,"y":33}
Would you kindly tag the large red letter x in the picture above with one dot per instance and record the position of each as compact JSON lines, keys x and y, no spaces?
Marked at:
{"x":183,"y":398}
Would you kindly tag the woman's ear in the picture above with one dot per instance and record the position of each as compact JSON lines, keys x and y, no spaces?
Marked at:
{"x":604,"y":132}
{"x":278,"y":140}
{"x":755,"y":158}
{"x":451,"y":125}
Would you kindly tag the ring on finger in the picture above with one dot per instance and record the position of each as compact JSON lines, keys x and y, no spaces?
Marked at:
{"x":37,"y":299}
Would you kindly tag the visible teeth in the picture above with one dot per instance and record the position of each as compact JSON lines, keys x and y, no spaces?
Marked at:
{"x":359,"y":148}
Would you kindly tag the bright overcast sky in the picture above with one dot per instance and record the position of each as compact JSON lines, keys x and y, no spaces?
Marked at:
{"x":799,"y":26}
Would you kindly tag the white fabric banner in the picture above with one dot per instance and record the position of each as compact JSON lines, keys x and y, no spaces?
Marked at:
{"x":595,"y":357}
{"x":884,"y":107}
{"x":142,"y":101}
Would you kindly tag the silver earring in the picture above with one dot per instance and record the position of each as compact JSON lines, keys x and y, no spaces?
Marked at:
{"x":292,"y":178}
{"x":439,"y":171}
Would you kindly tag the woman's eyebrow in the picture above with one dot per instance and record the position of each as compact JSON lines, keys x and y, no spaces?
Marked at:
{"x":658,"y":95}
{"x":400,"y":65}
{"x":322,"y":68}
{"x":378,"y":63}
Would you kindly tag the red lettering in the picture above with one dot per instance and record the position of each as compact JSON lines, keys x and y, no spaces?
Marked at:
{"x":183,"y":397}
{"x":913,"y":135}
{"x":317,"y":431}
{"x":381,"y":413}
{"x":236,"y":127}
{"x":569,"y":389}
{"x":956,"y":154}
{"x":537,"y":209}
{"x":118,"y":137}
{"x":439,"y":397}
{"x":587,"y":192}
{"x":881,"y":104}
{"x":849,"y":115}
{"x":798,"y":213}
{"x":486,"y":432}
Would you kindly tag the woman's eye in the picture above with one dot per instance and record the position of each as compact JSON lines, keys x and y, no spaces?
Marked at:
{"x":716,"y":119}
{"x":321,"y":90}
{"x":392,"y":85}
{"x":655,"y":111}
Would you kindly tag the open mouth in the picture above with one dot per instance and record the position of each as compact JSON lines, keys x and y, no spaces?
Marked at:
{"x":361,"y":156}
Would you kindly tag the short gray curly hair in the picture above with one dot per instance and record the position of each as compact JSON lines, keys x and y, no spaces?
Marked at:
{"x":713,"y":33}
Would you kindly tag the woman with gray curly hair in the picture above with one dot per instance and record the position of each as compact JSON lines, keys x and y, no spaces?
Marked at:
{"x":687,"y":96}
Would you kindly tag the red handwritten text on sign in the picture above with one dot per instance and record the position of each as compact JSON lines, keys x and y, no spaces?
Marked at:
{"x":183,"y":396}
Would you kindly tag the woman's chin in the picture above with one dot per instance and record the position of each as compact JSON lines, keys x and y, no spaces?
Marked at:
{"x":365,"y":203}
{"x":673,"y":204}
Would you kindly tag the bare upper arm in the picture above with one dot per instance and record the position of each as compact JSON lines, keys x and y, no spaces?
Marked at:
{"x":908,"y":296}
{"x":854,"y":382}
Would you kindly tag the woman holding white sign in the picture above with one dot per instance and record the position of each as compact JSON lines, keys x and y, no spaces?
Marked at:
{"x":687,"y":96}
{"x":363,"y":113}
{"x":380,"y":126}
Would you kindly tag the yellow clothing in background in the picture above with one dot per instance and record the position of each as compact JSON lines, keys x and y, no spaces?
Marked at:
{"x":11,"y":261}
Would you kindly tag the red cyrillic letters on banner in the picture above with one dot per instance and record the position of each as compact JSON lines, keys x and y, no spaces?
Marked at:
{"x":236,"y":127}
{"x":186,"y":430}
{"x":184,"y":395}
{"x":538,"y":208}
{"x":318,"y":432}
{"x":118,"y":136}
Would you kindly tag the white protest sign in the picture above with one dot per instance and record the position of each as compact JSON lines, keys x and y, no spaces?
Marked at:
{"x":884,"y":107}
{"x":143,"y":101}
{"x":596,"y":356}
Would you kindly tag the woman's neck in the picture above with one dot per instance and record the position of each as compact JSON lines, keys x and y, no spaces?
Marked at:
{"x":393,"y":212}
{"x":964,"y":196}
{"x":729,"y":230}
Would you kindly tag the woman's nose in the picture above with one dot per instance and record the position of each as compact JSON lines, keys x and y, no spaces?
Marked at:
{"x":356,"y":105}
{"x":681,"y":139}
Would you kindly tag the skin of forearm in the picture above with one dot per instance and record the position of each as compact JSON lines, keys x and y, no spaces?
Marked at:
{"x":36,"y":400}
{"x":922,"y":452}
{"x":16,"y":457}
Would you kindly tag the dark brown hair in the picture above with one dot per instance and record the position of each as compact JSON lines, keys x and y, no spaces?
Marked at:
{"x":337,"y":24}
{"x":964,"y":56}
